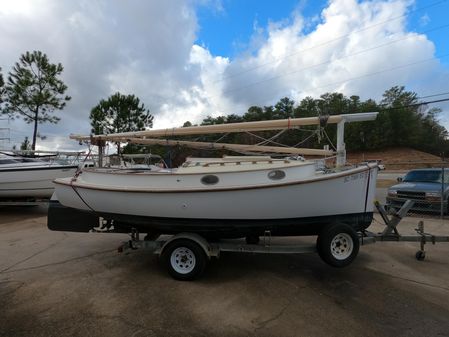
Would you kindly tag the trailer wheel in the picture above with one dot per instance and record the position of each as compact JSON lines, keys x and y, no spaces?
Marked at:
{"x":338,"y":245}
{"x":184,"y":259}
{"x":420,"y":255}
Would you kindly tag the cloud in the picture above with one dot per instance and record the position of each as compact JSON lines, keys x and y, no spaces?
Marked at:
{"x":424,"y":20}
{"x":149,"y":48}
{"x":105,"y":46}
{"x":351,"y":42}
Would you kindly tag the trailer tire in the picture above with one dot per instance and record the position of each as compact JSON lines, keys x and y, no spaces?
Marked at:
{"x":420,"y":255}
{"x":338,"y":245}
{"x":184,"y":259}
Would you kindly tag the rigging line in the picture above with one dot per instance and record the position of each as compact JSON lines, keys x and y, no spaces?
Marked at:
{"x":224,"y":136}
{"x":271,"y":139}
{"x":260,"y":137}
{"x":328,"y":139}
{"x":307,"y":138}
{"x":327,"y":42}
{"x":329,"y":61}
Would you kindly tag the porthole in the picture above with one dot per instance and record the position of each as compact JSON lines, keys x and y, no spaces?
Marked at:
{"x":276,"y":175}
{"x":209,"y":180}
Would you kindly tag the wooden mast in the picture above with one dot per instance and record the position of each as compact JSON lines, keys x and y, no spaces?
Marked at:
{"x":219,"y":128}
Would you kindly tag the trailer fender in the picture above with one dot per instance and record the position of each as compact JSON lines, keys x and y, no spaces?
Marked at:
{"x":209,"y":250}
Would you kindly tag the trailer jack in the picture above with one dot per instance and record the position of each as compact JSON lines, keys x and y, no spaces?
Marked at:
{"x":391,"y":233}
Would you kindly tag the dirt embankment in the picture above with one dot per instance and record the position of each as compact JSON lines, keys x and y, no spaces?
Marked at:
{"x":398,"y":158}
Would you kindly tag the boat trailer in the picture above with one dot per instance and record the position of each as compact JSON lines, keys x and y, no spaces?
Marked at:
{"x":186,"y":254}
{"x":391,"y":233}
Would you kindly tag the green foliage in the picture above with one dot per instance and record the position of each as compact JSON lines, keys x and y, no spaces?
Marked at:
{"x":120,"y":113}
{"x":402,"y":121}
{"x":34,"y":90}
{"x":284,"y":108}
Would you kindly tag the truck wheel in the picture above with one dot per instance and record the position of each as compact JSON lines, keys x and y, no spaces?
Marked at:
{"x":185,"y":260}
{"x":338,"y":245}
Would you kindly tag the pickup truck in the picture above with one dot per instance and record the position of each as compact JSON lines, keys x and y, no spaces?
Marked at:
{"x":428,"y":188}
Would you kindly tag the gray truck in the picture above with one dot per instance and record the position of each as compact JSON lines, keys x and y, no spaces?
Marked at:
{"x":428,"y":188}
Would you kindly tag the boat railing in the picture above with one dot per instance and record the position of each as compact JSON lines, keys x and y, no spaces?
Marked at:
{"x":237,"y":162}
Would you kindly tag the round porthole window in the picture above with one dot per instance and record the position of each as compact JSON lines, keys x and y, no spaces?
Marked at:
{"x":276,"y":175}
{"x":209,"y":180}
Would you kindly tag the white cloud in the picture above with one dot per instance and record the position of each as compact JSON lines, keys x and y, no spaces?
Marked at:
{"x":351,"y":41}
{"x":148,"y":48}
{"x":424,"y":20}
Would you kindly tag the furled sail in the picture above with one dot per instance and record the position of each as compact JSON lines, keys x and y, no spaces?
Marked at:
{"x":233,"y":127}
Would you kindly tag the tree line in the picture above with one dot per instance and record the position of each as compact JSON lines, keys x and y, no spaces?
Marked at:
{"x":34,"y":91}
{"x":402,"y":122}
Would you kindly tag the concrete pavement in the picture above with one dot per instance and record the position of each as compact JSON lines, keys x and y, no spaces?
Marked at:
{"x":69,"y":284}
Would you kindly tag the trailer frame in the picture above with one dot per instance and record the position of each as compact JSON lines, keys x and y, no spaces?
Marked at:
{"x":212,"y":249}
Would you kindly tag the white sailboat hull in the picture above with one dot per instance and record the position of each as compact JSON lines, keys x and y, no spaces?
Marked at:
{"x":296,"y":207}
{"x":34,"y":182}
{"x":332,"y":195}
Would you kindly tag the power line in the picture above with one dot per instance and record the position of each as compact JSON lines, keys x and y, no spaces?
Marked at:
{"x":325,"y":62}
{"x":417,"y":104}
{"x":328,"y":61}
{"x":327,"y":42}
{"x":379,"y":72}
{"x":434,"y":95}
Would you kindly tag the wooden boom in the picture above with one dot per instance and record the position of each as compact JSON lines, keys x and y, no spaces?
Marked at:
{"x":226,"y":146}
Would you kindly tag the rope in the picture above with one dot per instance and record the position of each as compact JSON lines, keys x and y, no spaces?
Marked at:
{"x":304,"y":140}
{"x":269,"y":140}
{"x":224,"y":136}
{"x":77,"y":193}
{"x":328,"y":139}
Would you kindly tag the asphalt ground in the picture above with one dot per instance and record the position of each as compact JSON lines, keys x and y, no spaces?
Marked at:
{"x":74,"y":284}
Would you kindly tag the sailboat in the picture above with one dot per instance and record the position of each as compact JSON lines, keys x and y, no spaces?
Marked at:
{"x":24,"y":177}
{"x":228,"y":197}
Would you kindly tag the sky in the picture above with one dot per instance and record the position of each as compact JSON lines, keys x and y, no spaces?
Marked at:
{"x":189,"y":59}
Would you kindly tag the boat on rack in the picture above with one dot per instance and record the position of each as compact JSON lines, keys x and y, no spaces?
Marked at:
{"x":227,"y":197}
{"x":25,"y":177}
